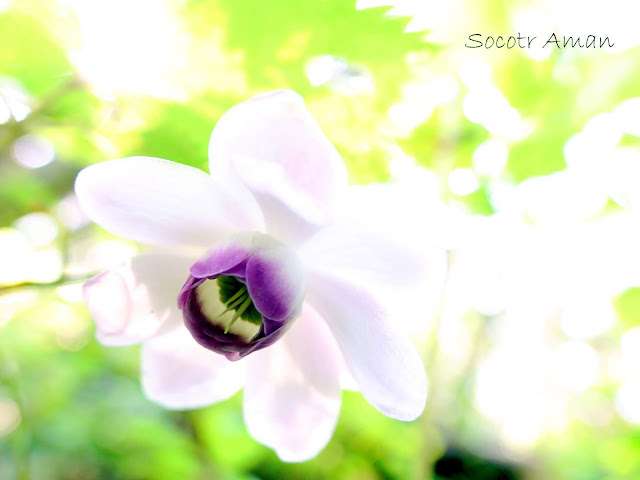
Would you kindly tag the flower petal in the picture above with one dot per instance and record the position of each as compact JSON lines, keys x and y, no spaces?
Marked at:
{"x":388,"y":241}
{"x":275,"y":280}
{"x":224,"y":256}
{"x":137,"y":300}
{"x":382,"y":360}
{"x":160,"y":202}
{"x":292,"y":394}
{"x":363,"y":255}
{"x":403,"y":277}
{"x":178,"y":373}
{"x":282,"y":156}
{"x":324,"y":340}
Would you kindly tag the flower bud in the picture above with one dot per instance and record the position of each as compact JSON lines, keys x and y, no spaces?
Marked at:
{"x":243,"y":295}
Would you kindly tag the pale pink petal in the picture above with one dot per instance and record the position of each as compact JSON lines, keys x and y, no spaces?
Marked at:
{"x":382,"y":360}
{"x":292,"y":394}
{"x":362,"y":254}
{"x":402,"y":277}
{"x":403,"y":220}
{"x":327,"y":343}
{"x":178,"y":373}
{"x":387,"y":240}
{"x":160,"y":202}
{"x":138,"y":299}
{"x":280,"y":153}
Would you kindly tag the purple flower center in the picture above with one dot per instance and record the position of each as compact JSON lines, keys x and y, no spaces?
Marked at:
{"x":242,"y":296}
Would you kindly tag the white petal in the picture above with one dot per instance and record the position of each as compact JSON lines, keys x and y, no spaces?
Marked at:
{"x":160,"y":202}
{"x":324,"y":340}
{"x":283,"y":157}
{"x":386,"y":241}
{"x":403,"y":277}
{"x":138,"y":299}
{"x":362,"y":255}
{"x":292,"y":394}
{"x":384,"y":363}
{"x":178,"y":373}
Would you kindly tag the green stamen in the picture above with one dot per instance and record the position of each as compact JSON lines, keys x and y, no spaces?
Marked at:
{"x":235,"y":296}
{"x":239,"y":312}
{"x":238,"y":293}
{"x":231,"y":306}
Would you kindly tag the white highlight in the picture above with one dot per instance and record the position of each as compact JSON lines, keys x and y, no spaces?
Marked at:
{"x":490,"y":158}
{"x":20,"y":263}
{"x":70,"y":213}
{"x":532,"y":21}
{"x":10,"y":417}
{"x":576,"y":365}
{"x":129,"y":46}
{"x":587,"y":316}
{"x":628,"y":402}
{"x":462,"y":181}
{"x":38,"y":228}
{"x":628,"y":114}
{"x":547,"y":198}
{"x":13,"y":101}
{"x":33,"y":151}
{"x":323,"y":69}
{"x":630,"y":347}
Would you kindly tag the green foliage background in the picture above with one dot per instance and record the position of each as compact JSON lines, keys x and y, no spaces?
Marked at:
{"x":82,"y":412}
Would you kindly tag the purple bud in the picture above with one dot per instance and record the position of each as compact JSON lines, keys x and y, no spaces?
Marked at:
{"x":243,"y":295}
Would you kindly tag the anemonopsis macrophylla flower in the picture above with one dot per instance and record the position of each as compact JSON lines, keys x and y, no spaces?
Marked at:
{"x":243,"y":295}
{"x":255,"y":280}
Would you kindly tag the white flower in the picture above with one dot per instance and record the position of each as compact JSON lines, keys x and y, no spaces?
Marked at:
{"x":265,"y":221}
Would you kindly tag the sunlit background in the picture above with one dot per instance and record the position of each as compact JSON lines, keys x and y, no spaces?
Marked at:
{"x":523,"y":164}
